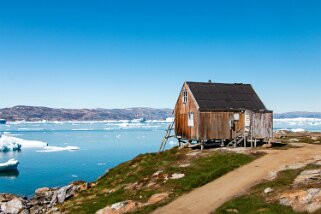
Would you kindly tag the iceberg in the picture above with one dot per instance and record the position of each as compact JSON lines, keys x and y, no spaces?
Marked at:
{"x":297,"y":130}
{"x":58,"y":149}
{"x":9,"y":146}
{"x":11,"y":164}
{"x":169,"y":119}
{"x":9,"y":143}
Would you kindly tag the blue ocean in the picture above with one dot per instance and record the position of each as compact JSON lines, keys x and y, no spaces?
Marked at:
{"x":102,"y":145}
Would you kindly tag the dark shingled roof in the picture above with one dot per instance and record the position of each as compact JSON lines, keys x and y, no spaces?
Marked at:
{"x":221,"y":96}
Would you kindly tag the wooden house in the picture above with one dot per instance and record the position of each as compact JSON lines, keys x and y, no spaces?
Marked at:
{"x":218,"y":112}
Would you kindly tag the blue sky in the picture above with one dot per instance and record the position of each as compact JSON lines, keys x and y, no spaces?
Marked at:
{"x":110,"y":54}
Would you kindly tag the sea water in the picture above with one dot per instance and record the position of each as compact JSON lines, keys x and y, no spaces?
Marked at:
{"x":102,"y":145}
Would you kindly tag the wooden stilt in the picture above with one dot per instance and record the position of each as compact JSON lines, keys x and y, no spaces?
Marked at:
{"x":202,"y":145}
{"x":244,"y":140}
{"x":254,"y":142}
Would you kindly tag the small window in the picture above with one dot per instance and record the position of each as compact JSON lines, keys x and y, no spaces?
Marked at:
{"x":190,"y":119}
{"x":184,"y":96}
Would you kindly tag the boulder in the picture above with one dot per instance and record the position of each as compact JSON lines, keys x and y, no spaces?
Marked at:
{"x":315,"y":138}
{"x":158,"y":173}
{"x":268,"y":190}
{"x":302,"y":200}
{"x":13,"y":206}
{"x":5,"y":197}
{"x":308,"y":177}
{"x":296,"y":165}
{"x":120,"y":207}
{"x":65,"y":192}
{"x":42,"y":191}
{"x":177,"y":176}
{"x":157,"y":198}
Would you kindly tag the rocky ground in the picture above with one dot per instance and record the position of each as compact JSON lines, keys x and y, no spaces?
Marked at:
{"x":45,"y":199}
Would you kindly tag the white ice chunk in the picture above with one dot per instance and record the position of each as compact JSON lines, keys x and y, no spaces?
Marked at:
{"x":58,"y":149}
{"x":297,"y":130}
{"x":14,"y":142}
{"x":170,"y":119}
{"x":11,"y":164}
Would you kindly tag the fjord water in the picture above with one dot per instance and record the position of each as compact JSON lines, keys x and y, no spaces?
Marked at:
{"x":103,"y":145}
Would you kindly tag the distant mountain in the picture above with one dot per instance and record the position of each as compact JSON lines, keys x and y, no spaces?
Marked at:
{"x":35,"y":113}
{"x":296,"y":114}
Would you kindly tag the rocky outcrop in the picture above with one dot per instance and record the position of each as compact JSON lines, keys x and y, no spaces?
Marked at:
{"x":45,"y":200}
{"x":305,"y":194}
{"x":14,"y":206}
{"x":129,"y":205}
{"x":309,"y":177}
{"x":302,"y":200}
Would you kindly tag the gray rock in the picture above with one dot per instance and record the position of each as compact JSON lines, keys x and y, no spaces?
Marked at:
{"x":41,"y":191}
{"x":6,"y":197}
{"x":36,"y":209}
{"x":61,"y":195}
{"x":14,"y":206}
{"x":54,"y":200}
{"x":65,"y":192}
{"x":177,"y":176}
{"x":268,"y":190}
{"x":308,"y":177}
{"x":315,"y":138}
{"x":25,"y":211}
{"x":311,"y":208}
{"x":285,"y":202}
{"x":311,"y":193}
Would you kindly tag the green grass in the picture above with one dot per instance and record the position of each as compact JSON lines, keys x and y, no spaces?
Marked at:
{"x":255,"y":202}
{"x":203,"y":169}
{"x":252,"y":205}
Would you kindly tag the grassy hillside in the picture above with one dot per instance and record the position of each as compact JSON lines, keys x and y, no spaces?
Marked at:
{"x":148,"y":174}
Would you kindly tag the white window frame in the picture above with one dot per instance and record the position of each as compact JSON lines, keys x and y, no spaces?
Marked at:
{"x":190,"y":122}
{"x":184,"y":94}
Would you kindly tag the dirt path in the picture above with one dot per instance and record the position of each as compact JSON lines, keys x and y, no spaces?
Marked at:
{"x":212,"y":195}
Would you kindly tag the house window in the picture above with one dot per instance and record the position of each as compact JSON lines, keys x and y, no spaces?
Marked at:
{"x":184,"y":96}
{"x":190,"y":119}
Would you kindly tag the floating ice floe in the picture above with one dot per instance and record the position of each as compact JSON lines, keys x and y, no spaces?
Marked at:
{"x":297,"y":130}
{"x":298,"y":121}
{"x":169,"y":119}
{"x":9,"y":143}
{"x":58,"y":149}
{"x":11,"y":164}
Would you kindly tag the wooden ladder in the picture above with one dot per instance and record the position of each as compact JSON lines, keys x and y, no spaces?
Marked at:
{"x":166,"y":136}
